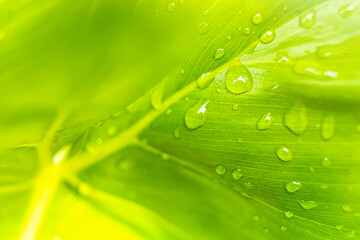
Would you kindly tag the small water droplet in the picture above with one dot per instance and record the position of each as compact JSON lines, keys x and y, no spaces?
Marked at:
{"x":267,"y":37}
{"x":99,"y":141}
{"x":187,"y":99}
{"x":257,"y":217}
{"x":239,"y":140}
{"x":282,"y":57}
{"x":229,"y":37}
{"x":237,"y":174}
{"x":205,"y":80}
{"x":235,"y":107}
{"x":284,"y":153}
{"x":307,"y":204}
{"x":203,"y":28}
{"x":265,"y":121}
{"x":168,"y":112}
{"x":295,"y":119}
{"x":220,"y":169}
{"x":218,"y":91}
{"x":195,"y":116}
{"x":325,"y":162}
{"x":177,"y":133}
{"x":182,"y":71}
{"x":206,"y":12}
{"x":311,"y":169}
{"x":219,"y":54}
{"x":327,"y":126}
{"x":346,"y":10}
{"x":238,"y":79}
{"x":246,"y":31}
{"x":283,"y":228}
{"x":293,"y":186}
{"x":171,"y":7}
{"x":307,"y":19}
{"x":249,"y":185}
{"x":339,"y":227}
{"x":156,"y":99}
{"x":346,"y":208}
{"x":289,"y":214}
{"x":327,"y":51}
{"x":257,"y":18}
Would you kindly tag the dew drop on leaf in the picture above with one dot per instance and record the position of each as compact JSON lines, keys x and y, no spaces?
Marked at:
{"x":257,"y":18}
{"x":99,"y":141}
{"x":289,"y":214}
{"x":220,"y":169}
{"x":182,"y":71}
{"x":265,"y":121}
{"x":257,"y":217}
{"x":203,"y":28}
{"x":325,"y":162}
{"x":156,"y":99}
{"x":284,"y":153}
{"x":195,"y":116}
{"x":239,"y":140}
{"x":311,"y":169}
{"x":246,"y":31}
{"x":339,"y":227}
{"x":327,"y":126}
{"x":295,"y":119}
{"x":327,"y":51}
{"x":177,"y":133}
{"x":267,"y":37}
{"x":346,"y":10}
{"x":307,"y":204}
{"x":237,"y":174}
{"x":206,"y":12}
{"x":283,"y":228}
{"x":307,"y":19}
{"x":219,"y":54}
{"x":238,"y":79}
{"x":205,"y":80}
{"x":282,"y":57}
{"x":346,"y":208}
{"x":293,"y":186}
{"x":235,"y":107}
{"x":171,"y":7}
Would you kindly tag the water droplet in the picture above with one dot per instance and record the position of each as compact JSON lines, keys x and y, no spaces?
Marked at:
{"x":283,"y":228}
{"x":238,"y":79}
{"x":205,"y":80}
{"x":346,"y":208}
{"x":325,"y":162}
{"x":99,"y":141}
{"x":220,"y":169}
{"x":307,"y":204}
{"x":156,"y":99}
{"x":168,"y":112}
{"x":265,"y":121}
{"x":249,"y":185}
{"x":293,"y":186}
{"x":187,"y":99}
{"x":237,"y":174}
{"x":218,"y":91}
{"x":327,"y":126}
{"x":284,"y":153}
{"x":239,"y":140}
{"x":229,"y":38}
{"x":171,"y":7}
{"x":267,"y":37}
{"x":339,"y":227}
{"x":182,"y":71}
{"x":346,"y":10}
{"x":257,"y":217}
{"x":246,"y":31}
{"x":282,"y":57}
{"x":327,"y":51}
{"x":314,"y":70}
{"x":177,"y":133}
{"x":203,"y":28}
{"x":60,"y":155}
{"x":295,"y":119}
{"x":289,"y":214}
{"x":235,"y":107}
{"x":195,"y":116}
{"x":307,"y":19}
{"x":311,"y":169}
{"x":219,"y":54}
{"x":206,"y":12}
{"x":257,"y":18}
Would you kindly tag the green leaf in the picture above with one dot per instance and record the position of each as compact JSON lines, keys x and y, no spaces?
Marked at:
{"x":180,"y":120}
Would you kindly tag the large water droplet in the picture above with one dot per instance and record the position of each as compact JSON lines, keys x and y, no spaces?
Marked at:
{"x":156,"y":99}
{"x":267,"y":37}
{"x":205,"y":80}
{"x":238,"y":79}
{"x":195,"y":116}
{"x":295,"y":119}
{"x":203,"y":28}
{"x":265,"y":121}
{"x":284,"y":153}
{"x":257,"y":18}
{"x":289,"y":214}
{"x":307,"y":19}
{"x":346,"y":10}
{"x":293,"y":186}
{"x":327,"y":126}
{"x":219,"y":54}
{"x":237,"y":174}
{"x":307,"y":204}
{"x":220,"y":169}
